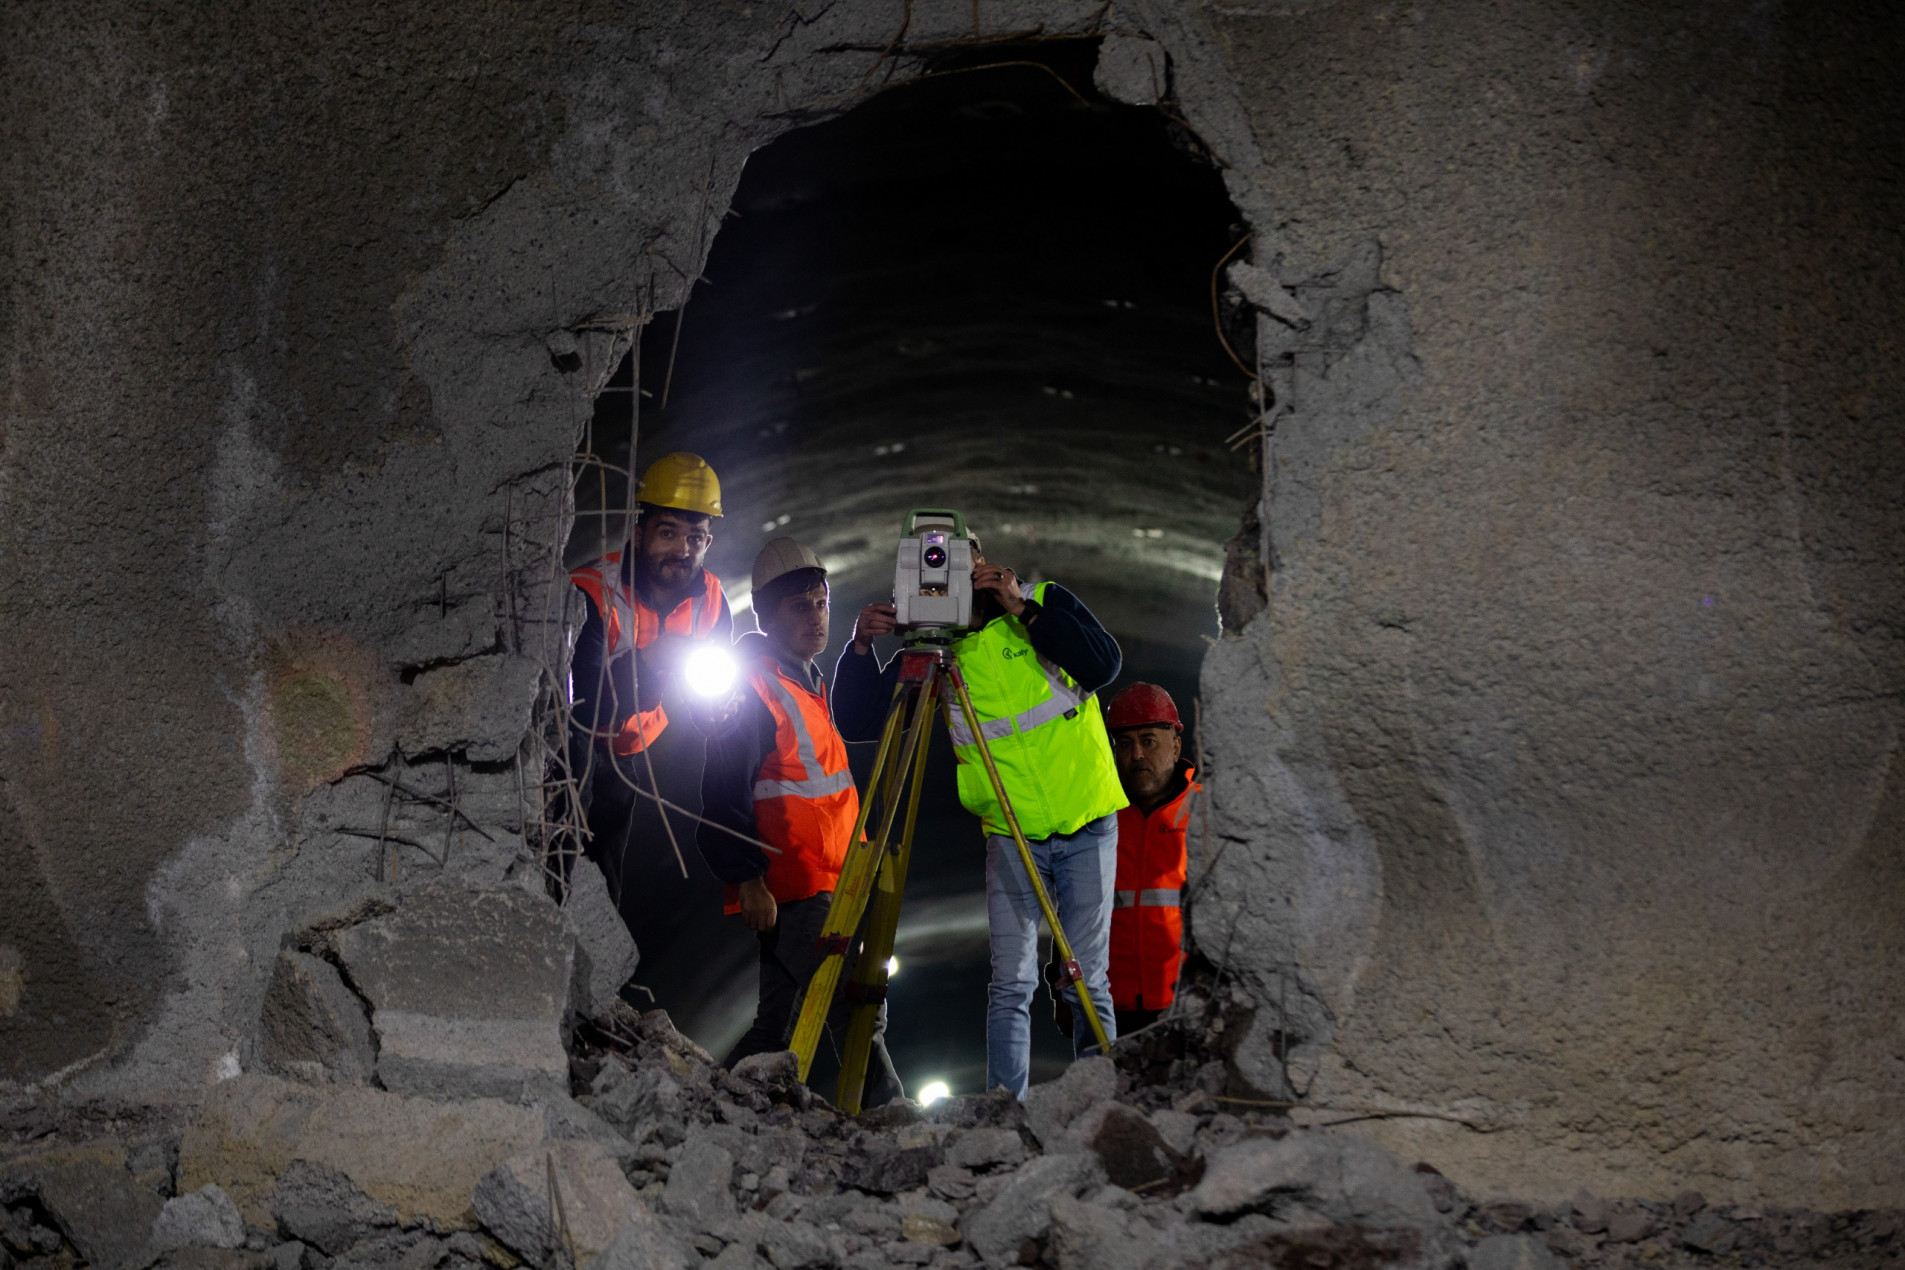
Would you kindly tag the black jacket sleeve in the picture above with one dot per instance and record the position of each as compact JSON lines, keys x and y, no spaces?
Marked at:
{"x":1064,"y":630}
{"x":602,"y":694}
{"x":862,"y":688}
{"x":736,"y":751}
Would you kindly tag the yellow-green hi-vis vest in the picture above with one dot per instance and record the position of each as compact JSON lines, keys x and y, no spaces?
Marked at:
{"x":1046,"y":734}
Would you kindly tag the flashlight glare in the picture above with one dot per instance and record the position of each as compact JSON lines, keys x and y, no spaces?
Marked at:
{"x":892,"y":966}
{"x":710,"y":672}
{"x":932,"y":1092}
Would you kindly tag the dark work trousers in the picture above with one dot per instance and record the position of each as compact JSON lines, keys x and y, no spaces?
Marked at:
{"x":790,"y":954}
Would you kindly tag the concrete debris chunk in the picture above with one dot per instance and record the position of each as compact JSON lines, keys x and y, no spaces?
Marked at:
{"x":468,"y":991}
{"x":479,"y":706}
{"x":605,"y":954}
{"x":644,"y":1103}
{"x":1710,"y":1232}
{"x":770,"y":1068}
{"x":566,"y":1120}
{"x":92,"y":1198}
{"x":314,"y":1027}
{"x":1628,"y":1223}
{"x":698,"y":1184}
{"x":1132,"y":69}
{"x":1512,"y":1252}
{"x":206,"y":1218}
{"x":1050,"y":1108}
{"x":420,"y":1158}
{"x":919,"y":1228}
{"x":322,"y":1207}
{"x":532,"y":1199}
{"x":643,"y":1243}
{"x":1022,"y":1209}
{"x":798,"y":1245}
{"x":985,"y":1147}
{"x":1131,"y":1150}
{"x":1342,"y":1178}
{"x":884,"y":1167}
{"x":1178,"y":1129}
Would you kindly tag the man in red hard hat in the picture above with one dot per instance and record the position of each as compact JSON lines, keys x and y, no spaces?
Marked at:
{"x":1147,"y":925}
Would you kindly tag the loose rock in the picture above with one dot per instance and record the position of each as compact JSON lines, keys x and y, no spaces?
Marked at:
{"x":206,"y":1218}
{"x":468,"y":991}
{"x":698,"y":1184}
{"x":1022,"y":1209}
{"x":605,"y":954}
{"x":314,"y":1027}
{"x":1512,"y":1252}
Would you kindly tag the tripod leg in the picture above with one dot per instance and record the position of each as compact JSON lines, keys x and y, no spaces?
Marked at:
{"x":867,"y":989}
{"x":851,"y":893}
{"x":856,"y":862}
{"x":1025,"y":855}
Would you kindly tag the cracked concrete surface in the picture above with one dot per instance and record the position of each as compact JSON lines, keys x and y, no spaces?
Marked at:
{"x":1556,"y":786}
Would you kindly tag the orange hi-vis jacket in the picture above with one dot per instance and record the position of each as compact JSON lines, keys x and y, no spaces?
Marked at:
{"x":630,"y":624}
{"x":804,"y":800}
{"x":1147,"y":924}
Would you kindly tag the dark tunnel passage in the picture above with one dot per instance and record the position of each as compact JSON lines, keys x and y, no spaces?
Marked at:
{"x":989,"y":290}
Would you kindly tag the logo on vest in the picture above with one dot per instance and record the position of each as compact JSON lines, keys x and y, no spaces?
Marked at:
{"x":1015,"y":652}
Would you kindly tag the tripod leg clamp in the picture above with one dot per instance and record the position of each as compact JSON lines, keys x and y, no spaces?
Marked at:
{"x":834,"y":945}
{"x":1071,"y":972}
{"x":865,"y":993}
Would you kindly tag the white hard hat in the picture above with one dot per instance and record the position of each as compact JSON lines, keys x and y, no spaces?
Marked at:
{"x":780,"y":557}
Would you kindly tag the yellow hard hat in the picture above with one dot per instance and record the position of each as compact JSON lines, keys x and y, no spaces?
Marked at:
{"x":682,"y":481}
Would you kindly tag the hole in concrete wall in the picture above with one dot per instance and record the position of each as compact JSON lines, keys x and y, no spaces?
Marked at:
{"x":988,"y":290}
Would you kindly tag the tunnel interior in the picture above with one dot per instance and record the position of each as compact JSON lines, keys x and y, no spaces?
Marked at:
{"x":990,"y":289}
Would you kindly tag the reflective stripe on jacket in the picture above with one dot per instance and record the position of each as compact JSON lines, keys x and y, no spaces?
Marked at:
{"x":629,"y":623}
{"x":1147,"y":922}
{"x":804,"y":800}
{"x":1046,"y":735}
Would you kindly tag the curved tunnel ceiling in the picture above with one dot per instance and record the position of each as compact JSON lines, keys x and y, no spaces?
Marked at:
{"x":976,"y":291}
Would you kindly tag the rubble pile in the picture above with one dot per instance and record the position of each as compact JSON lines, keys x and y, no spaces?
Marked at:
{"x":431,"y":1096}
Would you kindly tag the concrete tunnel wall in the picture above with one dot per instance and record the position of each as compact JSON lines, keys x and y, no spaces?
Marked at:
{"x":1556,"y":780}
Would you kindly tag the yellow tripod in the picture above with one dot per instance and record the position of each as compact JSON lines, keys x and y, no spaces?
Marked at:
{"x":875,"y":870}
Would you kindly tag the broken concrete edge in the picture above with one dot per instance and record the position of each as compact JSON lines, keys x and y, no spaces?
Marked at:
{"x":433,"y":666}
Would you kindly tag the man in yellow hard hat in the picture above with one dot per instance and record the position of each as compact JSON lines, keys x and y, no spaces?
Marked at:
{"x":645,"y":603}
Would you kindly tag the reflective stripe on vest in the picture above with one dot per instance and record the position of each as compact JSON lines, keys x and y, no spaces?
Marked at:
{"x":818,"y":782}
{"x":1046,"y":735}
{"x":805,"y":804}
{"x":1147,"y":922}
{"x":1155,"y":898}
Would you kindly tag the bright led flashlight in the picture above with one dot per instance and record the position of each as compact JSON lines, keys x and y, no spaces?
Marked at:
{"x":710,"y":671}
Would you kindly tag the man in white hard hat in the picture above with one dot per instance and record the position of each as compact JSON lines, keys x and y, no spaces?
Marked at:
{"x":777,"y":773}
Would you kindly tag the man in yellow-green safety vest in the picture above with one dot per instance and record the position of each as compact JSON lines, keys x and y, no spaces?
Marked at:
{"x":1033,"y":660}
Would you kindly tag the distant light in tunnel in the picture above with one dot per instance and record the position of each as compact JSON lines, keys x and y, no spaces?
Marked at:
{"x":1147,"y":533}
{"x":1050,"y":391}
{"x":710,"y":671}
{"x":933,"y":1091}
{"x":892,"y":966}
{"x":893,"y":448}
{"x":776,"y":523}
{"x":1021,"y":489}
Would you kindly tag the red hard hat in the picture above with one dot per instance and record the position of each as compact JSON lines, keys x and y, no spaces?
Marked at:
{"x":1142,"y":705}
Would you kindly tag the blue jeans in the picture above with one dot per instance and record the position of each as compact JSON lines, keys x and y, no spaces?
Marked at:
{"x":1079,"y":871}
